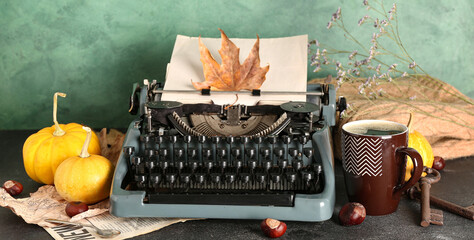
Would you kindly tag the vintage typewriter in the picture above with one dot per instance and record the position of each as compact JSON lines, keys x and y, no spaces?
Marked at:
{"x":206,"y":160}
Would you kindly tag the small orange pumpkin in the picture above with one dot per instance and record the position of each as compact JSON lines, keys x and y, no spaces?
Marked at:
{"x":85,"y":178}
{"x":50,"y":146}
{"x":417,"y":141}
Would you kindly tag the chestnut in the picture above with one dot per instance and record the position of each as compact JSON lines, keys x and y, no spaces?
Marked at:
{"x":352,"y":213}
{"x":438,"y":163}
{"x":273,"y":228}
{"x":13,"y":187}
{"x":74,"y":208}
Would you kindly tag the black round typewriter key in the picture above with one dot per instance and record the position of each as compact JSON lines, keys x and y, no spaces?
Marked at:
{"x":244,"y":139}
{"x":164,"y":152}
{"x":206,"y":153}
{"x":155,"y":179}
{"x":303,"y":139}
{"x":276,"y":177}
{"x":297,"y":164}
{"x":180,"y":164}
{"x":193,"y":164}
{"x":178,"y":153}
{"x":293,"y":152}
{"x":282,"y":163}
{"x":308,"y":152}
{"x":171,"y":177}
{"x":260,"y":177}
{"x":251,"y":152}
{"x":216,"y":177}
{"x":140,"y":180}
{"x":128,"y":150}
{"x":149,"y":152}
{"x":150,"y":165}
{"x":279,"y":152}
{"x":244,"y":177}
{"x":252,"y":163}
{"x":237,"y":163}
{"x":265,"y":152}
{"x":164,"y":164}
{"x":159,"y":139}
{"x":216,"y":139}
{"x":267,"y":164}
{"x":230,"y":177}
{"x":222,"y":163}
{"x":272,"y":139}
{"x":192,"y":152}
{"x":202,"y":139}
{"x":187,"y":138}
{"x":173,"y":139}
{"x":136,"y":160}
{"x":236,"y":152}
{"x":230,"y":140}
{"x":258,"y":140}
{"x":291,"y":176}
{"x":286,"y":139}
{"x":185,"y":178}
{"x":317,"y":168}
{"x":145,"y":138}
{"x":307,"y":175}
{"x":208,"y":164}
{"x":200,"y":177}
{"x":221,"y":152}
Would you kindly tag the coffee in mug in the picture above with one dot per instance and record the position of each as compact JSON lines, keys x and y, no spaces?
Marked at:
{"x":374,"y":161}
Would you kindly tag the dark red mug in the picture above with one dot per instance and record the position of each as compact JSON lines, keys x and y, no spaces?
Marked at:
{"x":374,"y":162}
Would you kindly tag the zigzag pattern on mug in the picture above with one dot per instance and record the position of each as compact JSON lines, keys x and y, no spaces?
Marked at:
{"x":363,"y":156}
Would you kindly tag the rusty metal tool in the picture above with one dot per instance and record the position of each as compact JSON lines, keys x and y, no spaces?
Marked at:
{"x":428,"y":215}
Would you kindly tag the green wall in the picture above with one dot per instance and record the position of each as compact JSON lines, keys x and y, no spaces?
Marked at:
{"x":95,"y":50}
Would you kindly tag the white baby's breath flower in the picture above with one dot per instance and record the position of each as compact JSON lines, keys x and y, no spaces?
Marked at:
{"x":365,"y":2}
{"x":405,"y":74}
{"x":412,"y":65}
{"x":362,"y":20}
{"x":392,"y":67}
{"x":377,"y":69}
{"x":352,"y":55}
{"x":329,"y":26}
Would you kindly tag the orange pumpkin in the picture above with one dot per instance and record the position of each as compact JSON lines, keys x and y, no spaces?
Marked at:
{"x":50,"y":146}
{"x":417,"y":141}
{"x":85,"y":178}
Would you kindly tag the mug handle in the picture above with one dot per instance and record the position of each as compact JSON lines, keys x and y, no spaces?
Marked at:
{"x":417,"y":166}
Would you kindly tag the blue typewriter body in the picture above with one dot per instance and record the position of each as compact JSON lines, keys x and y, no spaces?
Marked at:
{"x":234,"y":162}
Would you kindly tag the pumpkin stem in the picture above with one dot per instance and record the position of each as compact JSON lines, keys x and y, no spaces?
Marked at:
{"x":84,"y":152}
{"x":58,"y":131}
{"x":410,"y":122}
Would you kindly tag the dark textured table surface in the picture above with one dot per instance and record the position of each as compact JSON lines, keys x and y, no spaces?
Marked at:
{"x":456,"y":185}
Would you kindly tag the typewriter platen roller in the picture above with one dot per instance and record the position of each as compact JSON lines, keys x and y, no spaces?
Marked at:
{"x":202,"y":160}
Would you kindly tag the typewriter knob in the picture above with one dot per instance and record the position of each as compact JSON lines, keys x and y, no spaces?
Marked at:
{"x":230,"y":177}
{"x":244,"y":139}
{"x":307,"y":176}
{"x":272,"y":139}
{"x":267,"y":164}
{"x":252,"y":164}
{"x":200,"y":177}
{"x":140,"y":179}
{"x":180,"y":164}
{"x":261,"y":177}
{"x":291,"y":177}
{"x":238,"y":163}
{"x":192,"y":152}
{"x":297,"y":164}
{"x":150,"y":165}
{"x":171,"y":177}
{"x":276,"y":177}
{"x":303,"y":139}
{"x":155,"y":179}
{"x":185,"y":177}
{"x":179,"y":152}
{"x":194,"y":164}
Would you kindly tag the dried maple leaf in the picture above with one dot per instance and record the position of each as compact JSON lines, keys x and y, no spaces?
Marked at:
{"x":231,"y":75}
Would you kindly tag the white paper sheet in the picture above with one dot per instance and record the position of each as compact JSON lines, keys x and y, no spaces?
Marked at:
{"x":287,"y":58}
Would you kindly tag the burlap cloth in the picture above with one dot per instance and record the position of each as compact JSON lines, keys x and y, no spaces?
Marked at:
{"x":440,"y":113}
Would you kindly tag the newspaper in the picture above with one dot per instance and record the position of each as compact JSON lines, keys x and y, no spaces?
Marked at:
{"x":47,"y":204}
{"x":129,"y":227}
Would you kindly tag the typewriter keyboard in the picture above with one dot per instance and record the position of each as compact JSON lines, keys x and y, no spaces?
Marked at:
{"x":223,"y":170}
